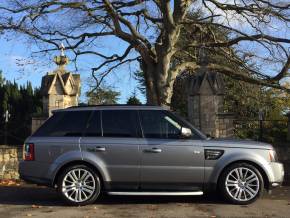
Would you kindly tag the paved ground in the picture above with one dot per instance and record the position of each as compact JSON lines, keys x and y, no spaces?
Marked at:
{"x":31,"y":201}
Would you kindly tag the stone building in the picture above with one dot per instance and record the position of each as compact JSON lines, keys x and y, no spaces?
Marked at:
{"x":60,"y":89}
{"x":201,"y":95}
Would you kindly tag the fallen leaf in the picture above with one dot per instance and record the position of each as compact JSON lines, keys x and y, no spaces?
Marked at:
{"x":9,"y":182}
{"x":29,"y":214}
{"x":36,"y":206}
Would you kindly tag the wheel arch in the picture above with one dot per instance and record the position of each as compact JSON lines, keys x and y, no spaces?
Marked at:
{"x":256,"y":165}
{"x":73,"y":163}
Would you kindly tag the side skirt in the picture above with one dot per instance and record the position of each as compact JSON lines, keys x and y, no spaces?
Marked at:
{"x":158,"y":193}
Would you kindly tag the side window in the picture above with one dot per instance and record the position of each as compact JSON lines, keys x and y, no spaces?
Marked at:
{"x":120,"y":123}
{"x":94,"y":128}
{"x":157,"y":124}
{"x":68,"y":123}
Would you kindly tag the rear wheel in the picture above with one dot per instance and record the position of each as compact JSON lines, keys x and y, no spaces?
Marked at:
{"x":79,"y":185}
{"x":241,"y":183}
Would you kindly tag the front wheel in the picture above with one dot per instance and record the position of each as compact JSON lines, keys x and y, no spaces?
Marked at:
{"x":241,"y":183}
{"x":79,"y":185}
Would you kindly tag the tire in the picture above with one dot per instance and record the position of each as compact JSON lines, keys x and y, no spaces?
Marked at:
{"x":241,"y":183}
{"x":79,"y":185}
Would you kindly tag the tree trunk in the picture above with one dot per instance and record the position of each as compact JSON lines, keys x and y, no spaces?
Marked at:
{"x":158,"y":91}
{"x":158,"y":75}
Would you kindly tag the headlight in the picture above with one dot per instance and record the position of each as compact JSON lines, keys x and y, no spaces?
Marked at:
{"x":213,"y":154}
{"x":273,"y":156}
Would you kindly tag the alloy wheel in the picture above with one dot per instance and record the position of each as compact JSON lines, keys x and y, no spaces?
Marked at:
{"x":78,"y":185}
{"x":242,"y":184}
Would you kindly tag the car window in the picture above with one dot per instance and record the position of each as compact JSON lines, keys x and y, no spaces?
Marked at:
{"x":67,"y":123}
{"x":94,"y":128}
{"x":157,"y":124}
{"x":163,"y":125}
{"x":120,"y":123}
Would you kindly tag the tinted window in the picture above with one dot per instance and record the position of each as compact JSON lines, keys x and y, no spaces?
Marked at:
{"x":120,"y":123}
{"x":157,"y":124}
{"x":69,"y":123}
{"x":94,"y":125}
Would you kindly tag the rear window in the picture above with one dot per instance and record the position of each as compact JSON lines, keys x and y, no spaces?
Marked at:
{"x":68,"y":123}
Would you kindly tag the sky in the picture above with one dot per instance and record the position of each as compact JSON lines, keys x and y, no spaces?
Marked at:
{"x":16,"y":64}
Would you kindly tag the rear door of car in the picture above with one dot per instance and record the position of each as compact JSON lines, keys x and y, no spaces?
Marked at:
{"x":112,"y":136}
{"x":168,"y":161}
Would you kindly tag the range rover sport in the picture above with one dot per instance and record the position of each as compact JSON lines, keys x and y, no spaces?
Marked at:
{"x":142,"y":150}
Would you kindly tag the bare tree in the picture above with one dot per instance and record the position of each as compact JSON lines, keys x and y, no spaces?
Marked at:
{"x":257,"y":29}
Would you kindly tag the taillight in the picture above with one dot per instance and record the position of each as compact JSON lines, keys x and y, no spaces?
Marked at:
{"x":28,"y":152}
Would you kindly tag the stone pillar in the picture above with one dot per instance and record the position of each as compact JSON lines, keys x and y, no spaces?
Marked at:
{"x":37,"y":122}
{"x":193,"y":110}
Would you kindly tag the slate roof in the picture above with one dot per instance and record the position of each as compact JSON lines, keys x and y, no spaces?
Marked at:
{"x":214,"y":79}
{"x":49,"y":80}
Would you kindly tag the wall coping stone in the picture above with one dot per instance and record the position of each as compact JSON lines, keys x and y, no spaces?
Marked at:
{"x":10,"y":146}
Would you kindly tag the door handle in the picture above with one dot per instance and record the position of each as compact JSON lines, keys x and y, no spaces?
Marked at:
{"x":100,"y":148}
{"x":97,"y":149}
{"x":153,"y":150}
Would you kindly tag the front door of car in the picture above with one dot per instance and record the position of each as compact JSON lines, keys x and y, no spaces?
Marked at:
{"x":111,"y":140}
{"x":168,"y":161}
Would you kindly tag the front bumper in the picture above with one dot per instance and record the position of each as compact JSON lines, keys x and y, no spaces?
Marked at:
{"x":277,"y":174}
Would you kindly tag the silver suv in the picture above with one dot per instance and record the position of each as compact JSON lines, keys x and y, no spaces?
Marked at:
{"x":143,"y":150}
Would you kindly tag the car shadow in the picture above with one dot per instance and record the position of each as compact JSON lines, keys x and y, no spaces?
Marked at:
{"x":18,"y":195}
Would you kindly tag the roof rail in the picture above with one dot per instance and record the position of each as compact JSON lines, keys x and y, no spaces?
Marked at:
{"x":117,"y":105}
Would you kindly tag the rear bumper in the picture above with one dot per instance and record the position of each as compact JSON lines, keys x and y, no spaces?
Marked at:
{"x":35,"y":180}
{"x":34,"y":172}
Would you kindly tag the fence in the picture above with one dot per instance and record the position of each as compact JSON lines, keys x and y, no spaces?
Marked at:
{"x":265,"y":130}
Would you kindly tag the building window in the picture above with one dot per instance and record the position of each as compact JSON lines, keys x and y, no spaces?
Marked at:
{"x":57,"y":103}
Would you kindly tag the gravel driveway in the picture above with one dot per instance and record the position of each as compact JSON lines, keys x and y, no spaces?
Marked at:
{"x":32,"y":201}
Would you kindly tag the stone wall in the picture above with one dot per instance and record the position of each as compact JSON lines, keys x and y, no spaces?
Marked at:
{"x":9,"y":161}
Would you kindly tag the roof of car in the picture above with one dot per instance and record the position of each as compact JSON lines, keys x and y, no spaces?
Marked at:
{"x":112,"y":107}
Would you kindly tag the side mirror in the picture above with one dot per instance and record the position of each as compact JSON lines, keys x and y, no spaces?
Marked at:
{"x":208,"y":136}
{"x":186,"y":132}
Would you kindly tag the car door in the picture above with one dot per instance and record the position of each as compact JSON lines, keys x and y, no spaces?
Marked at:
{"x":115,"y":146}
{"x":168,"y":161}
